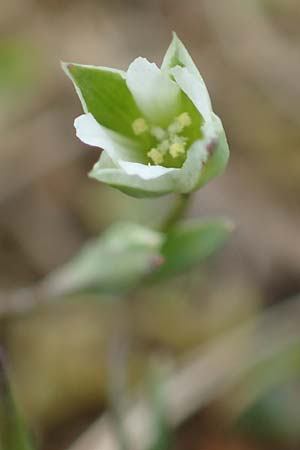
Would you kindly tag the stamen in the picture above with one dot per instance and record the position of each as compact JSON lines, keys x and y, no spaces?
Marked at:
{"x":158,"y":133}
{"x":139,"y":126}
{"x":176,"y":149}
{"x":156,"y":156}
{"x":184,"y":120}
{"x":163,"y":147}
{"x":168,"y":141}
{"x":179,"y":140}
{"x":174,"y":128}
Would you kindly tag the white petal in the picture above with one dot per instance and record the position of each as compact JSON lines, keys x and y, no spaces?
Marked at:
{"x":190,"y":173}
{"x":177,"y":54}
{"x":155,"y":93}
{"x":89,"y":131}
{"x":218,"y":153}
{"x":144,"y":171}
{"x":133,"y":185}
{"x":182,"y":180}
{"x":105,"y":162}
{"x":194,"y":87}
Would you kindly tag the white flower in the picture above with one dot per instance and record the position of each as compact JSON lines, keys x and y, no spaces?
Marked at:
{"x":156,"y":126}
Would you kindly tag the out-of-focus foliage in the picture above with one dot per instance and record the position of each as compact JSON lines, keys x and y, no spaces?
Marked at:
{"x":274,"y":416}
{"x":162,"y":438}
{"x":14,"y":434}
{"x":113,"y":262}
{"x":267,"y":399}
{"x":128,"y":253}
{"x":189,"y":244}
{"x":19,"y":72}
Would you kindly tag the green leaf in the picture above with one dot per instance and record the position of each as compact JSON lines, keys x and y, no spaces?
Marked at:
{"x":275,"y":415}
{"x":111,"y":263}
{"x":104,"y":93}
{"x":14,"y":434}
{"x":177,"y":55}
{"x":162,"y":435}
{"x":191,"y":243}
{"x":270,"y":397}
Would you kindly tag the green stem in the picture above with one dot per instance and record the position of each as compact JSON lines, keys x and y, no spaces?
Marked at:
{"x":117,"y":385}
{"x":176,"y":212}
{"x":117,"y":366}
{"x":119,"y":341}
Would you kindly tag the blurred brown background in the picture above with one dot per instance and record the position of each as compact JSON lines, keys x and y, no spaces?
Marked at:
{"x":248,"y":53}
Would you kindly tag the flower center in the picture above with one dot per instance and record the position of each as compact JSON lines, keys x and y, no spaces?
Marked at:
{"x":170,"y":142}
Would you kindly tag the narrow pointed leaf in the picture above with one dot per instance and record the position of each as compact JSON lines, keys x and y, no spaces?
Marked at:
{"x":14,"y":434}
{"x":191,"y":243}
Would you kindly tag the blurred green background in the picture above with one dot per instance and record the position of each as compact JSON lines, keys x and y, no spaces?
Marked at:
{"x":248,"y":53}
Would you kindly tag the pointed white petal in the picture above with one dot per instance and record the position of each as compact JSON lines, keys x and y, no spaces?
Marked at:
{"x":105,"y":162}
{"x":195,"y":89}
{"x":139,"y":180}
{"x":218,"y":153}
{"x":155,"y":93}
{"x":144,"y":171}
{"x":89,"y":131}
{"x":177,"y":55}
{"x":206,"y":159}
{"x":190,"y":173}
{"x":133,"y":185}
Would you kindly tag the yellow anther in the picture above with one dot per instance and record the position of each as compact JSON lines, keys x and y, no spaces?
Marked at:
{"x":184,"y":120}
{"x":178,"y":140}
{"x":139,"y":126}
{"x":168,"y":140}
{"x":176,"y":149}
{"x":156,"y":156}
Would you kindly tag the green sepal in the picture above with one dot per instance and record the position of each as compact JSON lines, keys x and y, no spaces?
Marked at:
{"x":103,"y":92}
{"x":189,"y":244}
